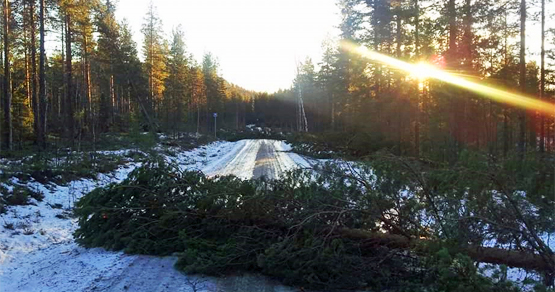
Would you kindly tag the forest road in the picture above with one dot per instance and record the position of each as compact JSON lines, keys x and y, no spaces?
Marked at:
{"x":257,"y":158}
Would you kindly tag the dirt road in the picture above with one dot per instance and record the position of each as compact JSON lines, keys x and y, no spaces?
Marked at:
{"x":256,"y":158}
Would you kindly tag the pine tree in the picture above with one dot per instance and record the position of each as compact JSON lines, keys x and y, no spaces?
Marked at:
{"x":8,"y":125}
{"x":177,"y":95}
{"x":522,"y":66}
{"x":542,"y":77}
{"x":107,"y":55}
{"x":215,"y":91}
{"x":42,"y":75}
{"x":198,"y":93}
{"x":154,"y":52}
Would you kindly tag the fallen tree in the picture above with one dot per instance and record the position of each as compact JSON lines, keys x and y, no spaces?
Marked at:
{"x":323,"y":232}
{"x":491,"y":255}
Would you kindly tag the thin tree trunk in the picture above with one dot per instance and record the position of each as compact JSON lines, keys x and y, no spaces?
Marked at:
{"x":36,"y":102}
{"x":87,"y":81}
{"x":113,"y":102}
{"x":42,"y":77}
{"x":522,"y":114}
{"x":26,"y":55}
{"x":452,"y":46}
{"x":8,"y":132}
{"x":198,"y":118}
{"x":70,"y":126}
{"x":542,"y":80}
{"x":62,"y":99}
{"x":332,"y":111}
{"x":419,"y":95}
{"x":399,"y":36}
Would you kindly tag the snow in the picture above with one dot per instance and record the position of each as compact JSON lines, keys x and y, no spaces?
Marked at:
{"x":38,"y":252}
{"x":243,"y":159}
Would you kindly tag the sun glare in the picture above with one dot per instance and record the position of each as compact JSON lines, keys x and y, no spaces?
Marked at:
{"x":424,"y":71}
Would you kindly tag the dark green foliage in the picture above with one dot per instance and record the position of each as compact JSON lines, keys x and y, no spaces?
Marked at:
{"x":62,"y":167}
{"x":233,"y":136}
{"x":338,"y":144}
{"x":20,"y":195}
{"x":459,"y":274}
{"x":288,"y":229}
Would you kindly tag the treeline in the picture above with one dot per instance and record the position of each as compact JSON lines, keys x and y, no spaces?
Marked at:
{"x":91,"y":79}
{"x":369,"y":101}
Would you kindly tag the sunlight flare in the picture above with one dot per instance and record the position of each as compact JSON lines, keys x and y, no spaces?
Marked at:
{"x":423,"y":71}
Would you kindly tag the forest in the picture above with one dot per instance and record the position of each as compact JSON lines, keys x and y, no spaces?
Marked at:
{"x":482,"y":41}
{"x":434,"y":123}
{"x":100,"y":81}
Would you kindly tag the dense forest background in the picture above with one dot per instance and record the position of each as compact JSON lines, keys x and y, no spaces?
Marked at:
{"x":100,"y":81}
{"x":379,"y":106}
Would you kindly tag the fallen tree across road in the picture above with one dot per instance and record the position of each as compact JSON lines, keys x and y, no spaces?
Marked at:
{"x":317,"y":231}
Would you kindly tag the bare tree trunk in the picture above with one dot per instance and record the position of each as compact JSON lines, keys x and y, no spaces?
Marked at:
{"x":26,"y":55}
{"x":8,"y":132}
{"x":419,"y":95}
{"x":542,"y":80}
{"x":87,"y":81}
{"x":522,"y":114}
{"x":398,"y":40}
{"x":62,"y":99}
{"x":452,"y":46}
{"x":70,"y":125}
{"x":113,"y":103}
{"x":42,"y":77}
{"x":332,"y":111}
{"x":36,"y":102}
{"x":198,"y":118}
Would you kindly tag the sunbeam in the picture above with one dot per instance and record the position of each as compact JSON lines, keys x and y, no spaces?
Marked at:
{"x":422,"y":70}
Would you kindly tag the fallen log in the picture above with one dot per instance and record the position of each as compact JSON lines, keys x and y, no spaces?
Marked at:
{"x":491,"y":255}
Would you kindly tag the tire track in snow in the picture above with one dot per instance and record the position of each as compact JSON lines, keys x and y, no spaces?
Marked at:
{"x":240,"y":165}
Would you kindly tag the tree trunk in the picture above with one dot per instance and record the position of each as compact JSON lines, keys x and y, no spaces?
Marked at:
{"x":522,"y":114}
{"x":491,"y":255}
{"x":87,"y":81}
{"x":26,"y":55}
{"x":419,"y":90}
{"x":8,"y":132}
{"x":542,"y":79}
{"x":452,"y":45}
{"x":35,"y":100}
{"x":42,"y":77}
{"x":70,"y":123}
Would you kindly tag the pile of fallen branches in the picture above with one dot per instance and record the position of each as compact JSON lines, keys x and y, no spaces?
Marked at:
{"x":336,"y":230}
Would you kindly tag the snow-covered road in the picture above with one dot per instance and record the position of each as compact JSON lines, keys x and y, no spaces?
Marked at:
{"x":256,"y":158}
{"x":43,"y":256}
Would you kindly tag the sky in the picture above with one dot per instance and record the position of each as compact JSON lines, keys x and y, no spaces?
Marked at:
{"x":257,"y":42}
